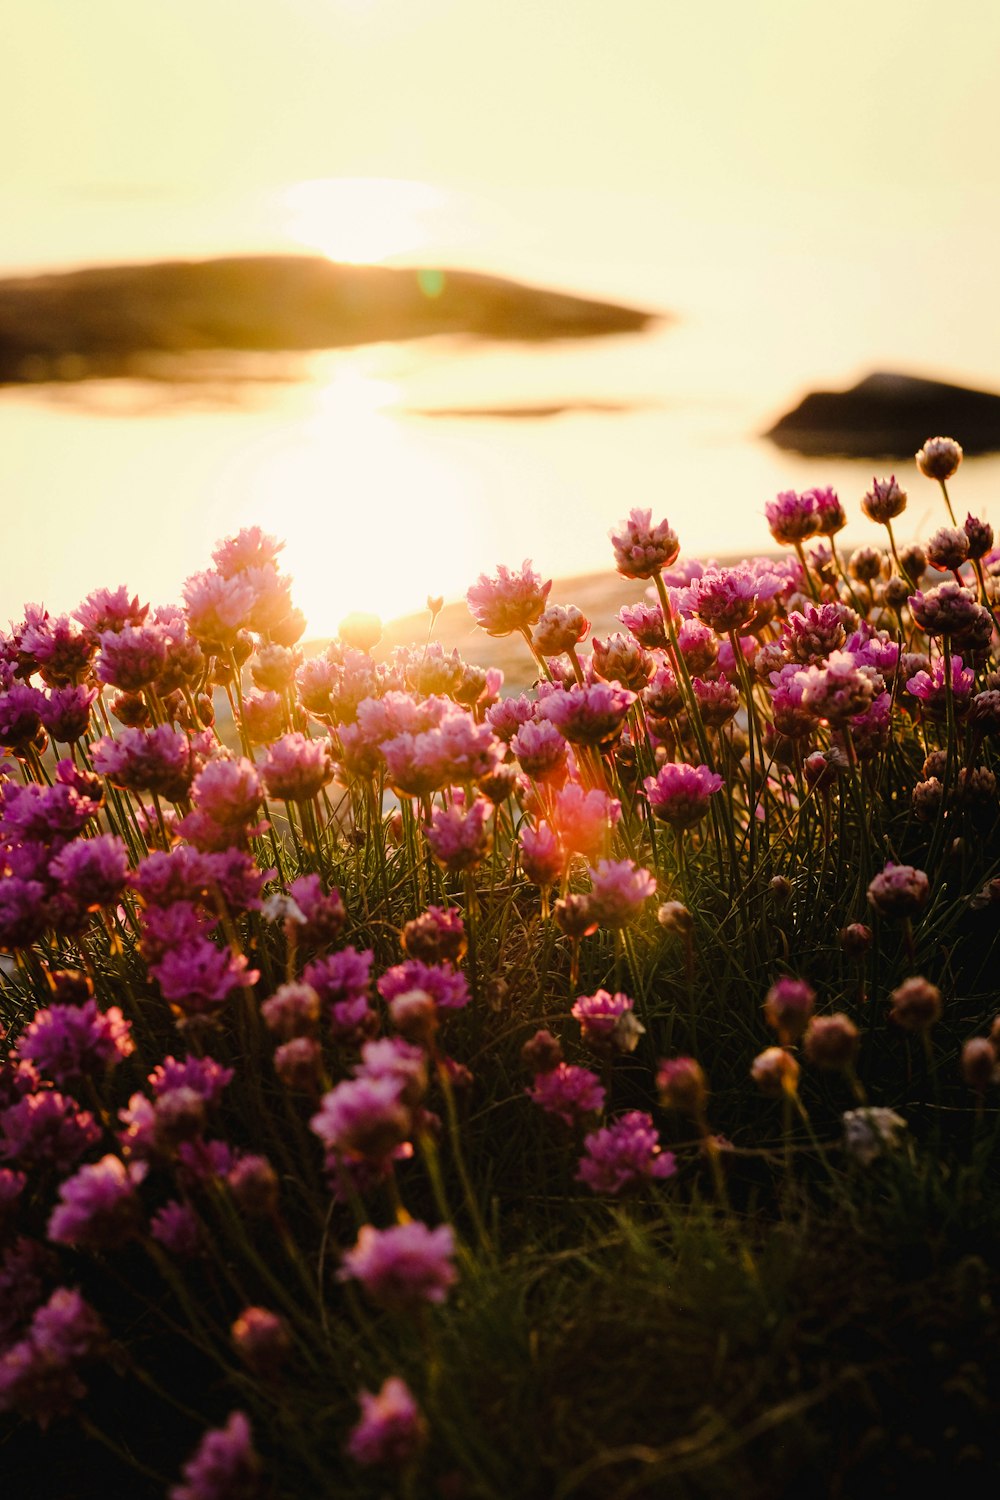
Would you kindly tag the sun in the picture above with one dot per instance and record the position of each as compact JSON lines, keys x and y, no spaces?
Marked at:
{"x":364,"y":220}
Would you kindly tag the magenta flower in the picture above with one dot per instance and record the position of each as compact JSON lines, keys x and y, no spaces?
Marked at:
{"x":61,"y":653}
{"x":391,"y":1057}
{"x":175,"y":1226}
{"x":947,"y":609}
{"x":541,"y":750}
{"x":131,"y":658}
{"x":607,"y":1022}
{"x":206,"y":1077}
{"x":391,"y":1429}
{"x":161,"y":760}
{"x":728,"y":599}
{"x":899,"y":891}
{"x":46,"y":1127}
{"x":662,"y":696}
{"x":829,"y":511}
{"x":642,"y":549}
{"x":792,"y":518}
{"x":403,"y":1266}
{"x":508,"y":602}
{"x":718,"y":700}
{"x":446,"y":986}
{"x":618,"y":890}
{"x":437,"y":935}
{"x":297,"y":769}
{"x":92,"y":872}
{"x":542,"y":855}
{"x":678,"y":794}
{"x":840,"y":688}
{"x":21,"y":709}
{"x":568,"y":1092}
{"x":228,"y":791}
{"x":342,"y":978}
{"x":884,"y":501}
{"x":363,"y":1117}
{"x":560,"y":628}
{"x":293,"y":1010}
{"x":930,"y":688}
{"x":589,"y":715}
{"x":107,"y":609}
{"x":224,"y":1466}
{"x":584,"y":821}
{"x":506,"y":717}
{"x":66,"y":1042}
{"x":38,"y":1374}
{"x":623,"y":1155}
{"x":249,"y":548}
{"x":645,"y":622}
{"x":98,"y":1206}
{"x":197,"y":978}
{"x":788,"y":1007}
{"x":65,"y":712}
{"x":218,"y":608}
{"x":264,"y":718}
{"x":812,"y":633}
{"x":459,"y":837}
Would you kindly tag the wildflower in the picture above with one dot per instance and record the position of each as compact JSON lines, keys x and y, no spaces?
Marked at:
{"x":899,"y":891}
{"x":161,"y":760}
{"x":228,"y":791}
{"x":980,"y":535}
{"x":459,"y":837}
{"x":812,"y":633}
{"x":561,"y":627}
{"x":262,"y":1340}
{"x":224,"y":1466}
{"x":662,"y":697}
{"x":253,"y":1183}
{"x":679,"y":794}
{"x":297,"y":769}
{"x":46,"y":1127}
{"x":589,"y":715}
{"x":583,"y":821}
{"x":832,"y":1042}
{"x":718,"y":701}
{"x":674,"y":916}
{"x":542,"y":1053}
{"x":506,"y":717}
{"x":948,"y":549}
{"x":729,"y":599}
{"x":979,"y":1063}
{"x":21,"y":709}
{"x":131,"y":658}
{"x":542,"y":855}
{"x":65,"y":712}
{"x":403,"y":1266}
{"x":884,"y":501}
{"x":39,"y":1373}
{"x":342,"y":981}
{"x":567,"y":1091}
{"x":829,"y":512}
{"x":624,"y":1154}
{"x":645,"y":623}
{"x":446,"y":986}
{"x":197,"y":978}
{"x":621,"y":660}
{"x":788,"y":1007}
{"x":930,"y":688}
{"x":510,"y":601}
{"x":775,"y":1072}
{"x":391,"y":1429}
{"x":436,"y":936}
{"x":916,"y":1004}
{"x":682,"y":1085}
{"x":218,"y":608}
{"x":947,"y":609}
{"x":939,"y":458}
{"x":618,"y":890}
{"x":607,"y":1022}
{"x":66,"y":1042}
{"x":98,"y":1205}
{"x":840,"y":687}
{"x":791,"y":715}
{"x":791,"y":518}
{"x":870,"y":1132}
{"x":92,"y":872}
{"x":642,"y":549}
{"x":363,"y":1117}
{"x":299,"y":1064}
{"x":293,"y":1010}
{"x":866,"y":564}
{"x":699,"y":646}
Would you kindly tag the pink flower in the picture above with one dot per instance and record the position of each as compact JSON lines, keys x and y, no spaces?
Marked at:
{"x":92,"y":872}
{"x":678,"y":794}
{"x":228,"y":790}
{"x":645,"y":623}
{"x":899,"y":891}
{"x":829,"y":511}
{"x":506,"y":717}
{"x":391,"y":1429}
{"x":107,"y":609}
{"x":718,"y":700}
{"x":662,"y":696}
{"x":607,"y":1022}
{"x":699,"y":646}
{"x":38,"y":1374}
{"x":446,"y":986}
{"x":437,"y":934}
{"x":206,"y":1077}
{"x":728,"y":599}
{"x":161,"y":760}
{"x":175,"y":1226}
{"x":542,"y":855}
{"x":568,"y":1092}
{"x":63,"y":654}
{"x":249,"y":548}
{"x":296,"y":768}
{"x":931,"y":690}
{"x":840,"y":687}
{"x":46,"y":1128}
{"x":541,"y":750}
{"x":642,"y":549}
{"x":65,"y":713}
{"x":791,"y":517}
{"x":21,"y":709}
{"x":224,"y":1466}
{"x":459,"y":838}
{"x":363,"y":1117}
{"x":813,"y":633}
{"x":67,"y":1042}
{"x":590,"y":715}
{"x":391,"y":1057}
{"x":197,"y":978}
{"x":98,"y":1205}
{"x":788,"y":1006}
{"x":884,"y":501}
{"x":131,"y":658}
{"x":947,"y":609}
{"x":218,"y":608}
{"x":403,"y":1266}
{"x":618,"y":890}
{"x":624,"y":1154}
{"x":561,"y":628}
{"x":584,"y":821}
{"x":508,"y":602}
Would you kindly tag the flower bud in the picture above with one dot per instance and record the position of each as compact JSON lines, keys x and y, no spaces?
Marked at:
{"x":832,"y":1042}
{"x":916,"y":1004}
{"x":939,"y":458}
{"x":775,"y":1072}
{"x":682,"y":1085}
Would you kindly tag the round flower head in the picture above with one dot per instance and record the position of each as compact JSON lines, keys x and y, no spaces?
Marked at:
{"x":775,"y":1072}
{"x":224,"y":1466}
{"x":561,"y":628}
{"x":607,"y":1022}
{"x":832,"y":1042}
{"x":979,"y":1063}
{"x":679,"y":794}
{"x":542,"y":855}
{"x":645,"y":622}
{"x":729,"y":599}
{"x":642,"y":549}
{"x":948,"y":548}
{"x":916,"y":1004}
{"x":939,"y":458}
{"x":391,"y":1429}
{"x":830,"y":516}
{"x":948,"y":609}
{"x":262,"y":1340}
{"x":567,"y":1091}
{"x":618,"y":890}
{"x":510,"y":601}
{"x":624,"y":1154}
{"x":297,"y":769}
{"x":788,"y":1006}
{"x":403,"y":1266}
{"x":884,"y":501}
{"x":97,"y":1206}
{"x":682,"y":1086}
{"x":899,"y":891}
{"x":792,"y":518}
{"x":591,"y":715}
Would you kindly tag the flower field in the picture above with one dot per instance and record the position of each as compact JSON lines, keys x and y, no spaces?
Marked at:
{"x":411,"y":1090}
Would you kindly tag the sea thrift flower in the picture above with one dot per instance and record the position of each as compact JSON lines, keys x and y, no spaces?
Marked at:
{"x":623,"y":1155}
{"x":840,"y":688}
{"x":568,"y":1092}
{"x":391,"y":1429}
{"x":792,"y":518}
{"x":607,"y":1022}
{"x":218,"y":608}
{"x":947,"y":609}
{"x":662,"y":697}
{"x":107,"y":609}
{"x":459,"y":838}
{"x":67,"y":1042}
{"x":363,"y":1117}
{"x":791,"y":716}
{"x":948,"y":549}
{"x":46,"y":1128}
{"x":884,"y":501}
{"x":561,"y":628}
{"x":508,"y":602}
{"x":506,"y":717}
{"x":698,"y":644}
{"x":38,"y":1374}
{"x":391,"y":1057}
{"x":224,"y":1466}
{"x":403,"y":1266}
{"x":939,"y":458}
{"x":980,"y":535}
{"x":542,"y":1053}
{"x":542,"y":855}
{"x":21,"y":709}
{"x":446,"y":986}
{"x":728,"y":599}
{"x":62,"y":653}
{"x":829,"y":511}
{"x":264,"y":718}
{"x":228,"y":790}
{"x":253,"y":1183}
{"x":930,"y":688}
{"x":775,"y":1072}
{"x":436,"y":936}
{"x":642,"y":549}
{"x":869,"y":1133}
{"x":589,"y":715}
{"x":788,"y":1007}
{"x":293,"y":1010}
{"x":98,"y":1206}
{"x":832,"y":1042}
{"x":618,"y":890}
{"x":262,"y":1340}
{"x":679,"y":794}
{"x":343,"y":981}
{"x":92,"y":872}
{"x":916,"y":1004}
{"x":161,"y":760}
{"x":645,"y":623}
{"x":813,"y":633}
{"x":718,"y":701}
{"x":297,"y":769}
{"x":979,"y":1063}
{"x":682,"y":1086}
{"x":583,"y":821}
{"x":131,"y":658}
{"x":899,"y":891}
{"x":197,"y":979}
{"x":65,"y":712}
{"x":621,"y":660}
{"x":248,"y":548}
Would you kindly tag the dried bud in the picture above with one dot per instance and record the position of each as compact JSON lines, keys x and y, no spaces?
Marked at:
{"x":916,"y":1004}
{"x":979,"y":1063}
{"x":253,"y":1183}
{"x":262,"y":1340}
{"x":543,"y":1053}
{"x":775,"y":1072}
{"x":855,"y":939}
{"x":832,"y":1042}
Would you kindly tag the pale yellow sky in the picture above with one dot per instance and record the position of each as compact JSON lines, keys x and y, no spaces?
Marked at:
{"x":721,"y":104}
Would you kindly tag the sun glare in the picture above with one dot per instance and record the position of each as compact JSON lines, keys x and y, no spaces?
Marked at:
{"x":362,"y":219}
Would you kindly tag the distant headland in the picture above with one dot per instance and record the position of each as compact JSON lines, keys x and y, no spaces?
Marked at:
{"x":143,"y":320}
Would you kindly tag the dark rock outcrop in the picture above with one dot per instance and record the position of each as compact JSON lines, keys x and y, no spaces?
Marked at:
{"x":127,"y":320}
{"x":889,"y":416}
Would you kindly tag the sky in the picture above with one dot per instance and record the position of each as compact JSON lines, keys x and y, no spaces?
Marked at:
{"x":744,"y":107}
